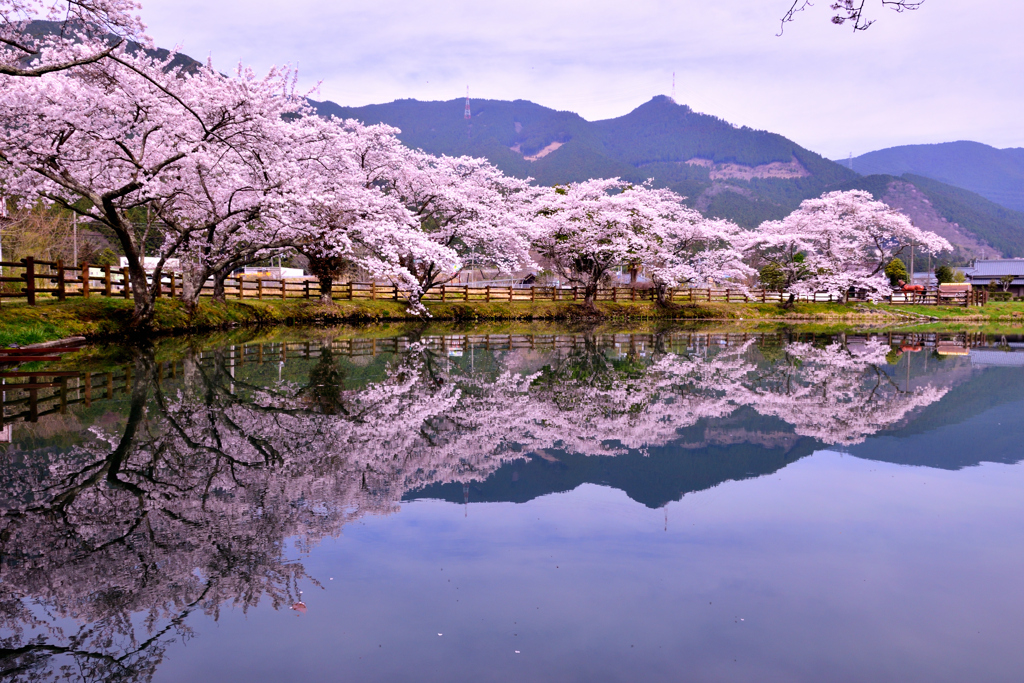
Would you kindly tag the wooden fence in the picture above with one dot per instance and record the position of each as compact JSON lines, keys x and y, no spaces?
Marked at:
{"x":55,"y":280}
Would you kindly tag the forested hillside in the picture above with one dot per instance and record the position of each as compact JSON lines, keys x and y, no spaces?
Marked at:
{"x":739,"y":173}
{"x":731,"y":172}
{"x":995,"y":174}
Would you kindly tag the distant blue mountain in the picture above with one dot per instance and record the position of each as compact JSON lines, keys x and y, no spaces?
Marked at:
{"x":995,"y":174}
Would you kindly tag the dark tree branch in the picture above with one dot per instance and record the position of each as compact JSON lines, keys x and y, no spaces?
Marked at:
{"x":848,"y":11}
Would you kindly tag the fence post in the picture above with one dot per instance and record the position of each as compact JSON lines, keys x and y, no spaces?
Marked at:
{"x":306,"y":289}
{"x":487,"y":295}
{"x":259,"y":288}
{"x":373,"y":291}
{"x":284,"y":288}
{"x":30,"y":279}
{"x":533,"y":294}
{"x":60,"y":279}
{"x":443,"y":292}
{"x":241,"y":286}
{"x":174,"y":292}
{"x":85,"y":279}
{"x":106,"y":279}
{"x":124,"y":282}
{"x":395,"y":288}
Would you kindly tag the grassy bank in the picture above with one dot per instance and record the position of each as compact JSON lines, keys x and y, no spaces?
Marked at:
{"x":101,"y":317}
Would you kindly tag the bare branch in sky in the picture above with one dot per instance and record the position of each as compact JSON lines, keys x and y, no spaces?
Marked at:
{"x":849,"y":10}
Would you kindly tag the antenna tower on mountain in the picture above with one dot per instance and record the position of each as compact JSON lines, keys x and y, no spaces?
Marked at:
{"x":674,"y":87}
{"x":850,"y":161}
{"x":467,"y":103}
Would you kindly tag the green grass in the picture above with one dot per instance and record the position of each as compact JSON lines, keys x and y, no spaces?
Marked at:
{"x":100,"y":317}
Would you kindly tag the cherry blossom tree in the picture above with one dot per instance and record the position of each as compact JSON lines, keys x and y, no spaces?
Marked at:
{"x":350,"y":213}
{"x":241,"y":203}
{"x":590,"y":228}
{"x":840,"y":242}
{"x":134,"y":137}
{"x":410,"y":217}
{"x":694,"y":251}
{"x":468,"y":207}
{"x":80,"y":32}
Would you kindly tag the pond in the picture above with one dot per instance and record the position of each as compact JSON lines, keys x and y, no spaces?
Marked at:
{"x":549,"y":504}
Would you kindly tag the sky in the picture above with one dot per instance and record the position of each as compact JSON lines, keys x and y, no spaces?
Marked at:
{"x":951,"y":70}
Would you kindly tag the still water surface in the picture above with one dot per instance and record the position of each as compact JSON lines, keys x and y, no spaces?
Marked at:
{"x":563,"y":506}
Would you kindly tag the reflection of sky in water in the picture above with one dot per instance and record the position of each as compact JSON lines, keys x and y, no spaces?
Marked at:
{"x":841,"y":569}
{"x":684,"y":513}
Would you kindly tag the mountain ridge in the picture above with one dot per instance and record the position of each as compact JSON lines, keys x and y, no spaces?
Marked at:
{"x":723,"y":170}
{"x":995,"y":174}
{"x":737,"y":172}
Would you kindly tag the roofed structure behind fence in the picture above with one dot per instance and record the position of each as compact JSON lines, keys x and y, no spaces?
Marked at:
{"x":985,"y":272}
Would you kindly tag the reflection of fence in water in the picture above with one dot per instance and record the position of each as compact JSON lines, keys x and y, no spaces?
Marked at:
{"x":36,"y":397}
{"x":671,"y":342}
{"x":37,"y":393}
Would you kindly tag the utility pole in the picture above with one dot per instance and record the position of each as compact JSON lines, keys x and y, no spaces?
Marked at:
{"x":74,"y":232}
{"x":911,"y":263}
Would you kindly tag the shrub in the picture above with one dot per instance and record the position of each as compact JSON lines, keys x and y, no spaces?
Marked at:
{"x":772,"y":278}
{"x":896,"y":272}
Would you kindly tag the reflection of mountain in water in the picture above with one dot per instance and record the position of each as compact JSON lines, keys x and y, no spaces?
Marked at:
{"x":708,"y":454}
{"x":978,"y":421}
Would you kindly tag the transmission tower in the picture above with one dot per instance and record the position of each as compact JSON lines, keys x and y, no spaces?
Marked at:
{"x":467,"y":103}
{"x":674,"y":87}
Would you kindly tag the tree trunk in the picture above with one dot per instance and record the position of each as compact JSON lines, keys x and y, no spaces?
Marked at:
{"x":192,"y":287}
{"x":218,"y":286}
{"x":326,"y":285}
{"x":590,"y":297}
{"x":142,"y":316}
{"x":661,"y":292}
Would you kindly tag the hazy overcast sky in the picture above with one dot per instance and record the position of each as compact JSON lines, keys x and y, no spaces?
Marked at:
{"x":952,"y":70}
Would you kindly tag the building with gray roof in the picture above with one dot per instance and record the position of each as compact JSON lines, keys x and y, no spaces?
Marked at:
{"x":989,"y":271}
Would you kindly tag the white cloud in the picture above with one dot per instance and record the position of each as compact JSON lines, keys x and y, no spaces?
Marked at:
{"x":948,"y":71}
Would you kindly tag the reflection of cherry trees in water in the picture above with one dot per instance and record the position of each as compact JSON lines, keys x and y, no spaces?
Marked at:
{"x":109,"y":546}
{"x":839,"y":394}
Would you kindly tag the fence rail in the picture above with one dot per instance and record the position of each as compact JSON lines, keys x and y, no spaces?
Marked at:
{"x":58,"y":281}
